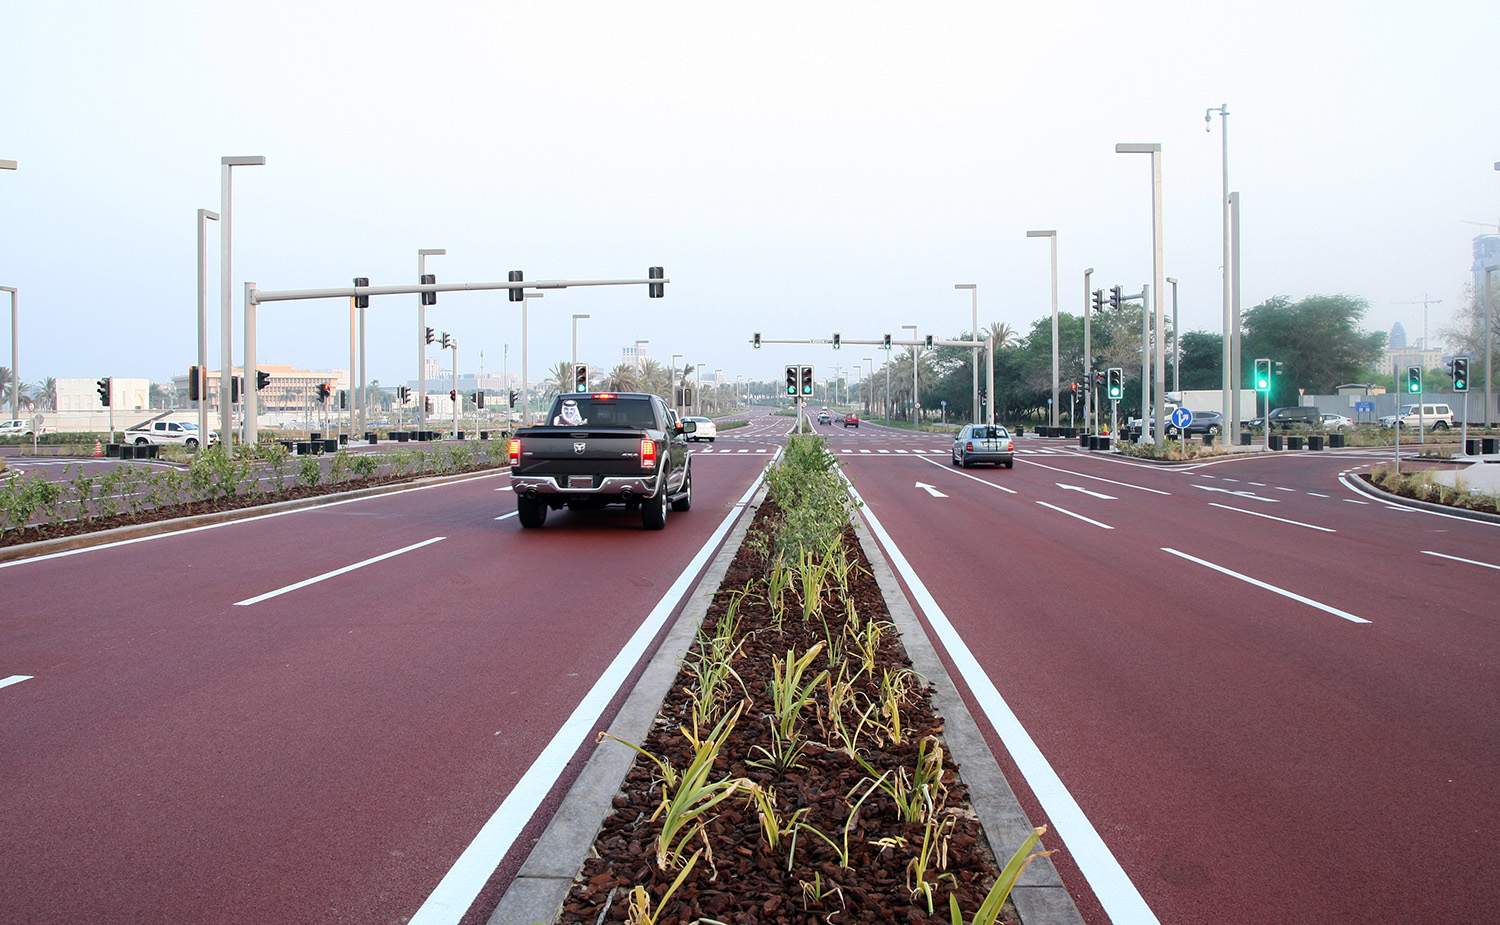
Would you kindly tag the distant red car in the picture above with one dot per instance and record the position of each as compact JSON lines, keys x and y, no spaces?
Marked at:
{"x":851,"y":420}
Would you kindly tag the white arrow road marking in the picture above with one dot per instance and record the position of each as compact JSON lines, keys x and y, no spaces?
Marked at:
{"x":1093,"y":494}
{"x":930,"y":490}
{"x":1239,"y":494}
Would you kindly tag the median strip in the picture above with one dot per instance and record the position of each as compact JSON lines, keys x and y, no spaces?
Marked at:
{"x":335,"y":573}
{"x":1272,"y":588}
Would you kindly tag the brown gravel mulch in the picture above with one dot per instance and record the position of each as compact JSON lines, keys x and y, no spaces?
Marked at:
{"x":743,"y":880}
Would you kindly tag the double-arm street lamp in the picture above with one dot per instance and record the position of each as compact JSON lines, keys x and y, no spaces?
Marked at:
{"x":226,"y":320}
{"x":915,"y":411}
{"x":974,"y":333}
{"x":1056,"y":381}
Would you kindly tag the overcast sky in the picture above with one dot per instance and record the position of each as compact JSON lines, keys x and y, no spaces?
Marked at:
{"x":798,"y":168}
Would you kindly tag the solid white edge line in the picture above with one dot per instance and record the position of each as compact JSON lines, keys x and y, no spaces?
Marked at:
{"x":456,"y":892}
{"x":1295,"y":523}
{"x":1272,"y":588}
{"x":1071,"y":514}
{"x":14,"y":679}
{"x":1428,"y":552}
{"x":335,"y":573}
{"x":1113,"y":887}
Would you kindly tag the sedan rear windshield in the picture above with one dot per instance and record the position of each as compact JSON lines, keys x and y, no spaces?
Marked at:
{"x":604,"y":412}
{"x":988,"y":433}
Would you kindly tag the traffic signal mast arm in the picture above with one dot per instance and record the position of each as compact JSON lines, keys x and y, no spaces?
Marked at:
{"x":878,"y":343}
{"x":289,"y":295}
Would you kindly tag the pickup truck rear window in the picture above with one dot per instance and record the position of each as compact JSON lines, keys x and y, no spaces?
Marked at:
{"x":605,"y":412}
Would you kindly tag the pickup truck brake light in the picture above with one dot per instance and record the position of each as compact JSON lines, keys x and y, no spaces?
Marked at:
{"x":648,"y":454}
{"x":604,"y":395}
{"x":514,"y":450}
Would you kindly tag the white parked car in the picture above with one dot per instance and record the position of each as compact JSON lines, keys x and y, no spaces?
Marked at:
{"x":18,"y":428}
{"x":707,"y":430}
{"x":167,"y":432}
{"x":1436,"y":417}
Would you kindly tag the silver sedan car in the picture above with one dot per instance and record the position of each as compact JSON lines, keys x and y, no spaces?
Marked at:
{"x":983,"y":443}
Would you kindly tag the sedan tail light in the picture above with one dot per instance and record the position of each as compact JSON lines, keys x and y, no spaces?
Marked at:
{"x":514,"y":450}
{"x":648,"y":454}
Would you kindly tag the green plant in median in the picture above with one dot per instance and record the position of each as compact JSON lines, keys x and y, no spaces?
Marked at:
{"x":989,"y":910}
{"x":789,"y":696}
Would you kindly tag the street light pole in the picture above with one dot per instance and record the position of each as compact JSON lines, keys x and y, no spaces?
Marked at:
{"x":974,"y":351}
{"x":226,"y":315}
{"x":1056,"y":382}
{"x":1231,"y":384}
{"x":575,"y":338}
{"x":1088,"y":353}
{"x":526,"y":298}
{"x":915,"y":422}
{"x":1158,"y":280}
{"x":15,"y":352}
{"x":422,"y":255}
{"x":202,"y":383}
{"x":1176,"y":344}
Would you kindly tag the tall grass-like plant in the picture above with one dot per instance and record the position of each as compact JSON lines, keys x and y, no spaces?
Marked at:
{"x":989,"y":910}
{"x":790,"y":695}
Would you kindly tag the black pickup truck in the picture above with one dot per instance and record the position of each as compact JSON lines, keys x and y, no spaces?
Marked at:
{"x":601,"y":448}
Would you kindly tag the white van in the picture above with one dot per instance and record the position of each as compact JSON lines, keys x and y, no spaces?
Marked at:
{"x":1435,"y":416}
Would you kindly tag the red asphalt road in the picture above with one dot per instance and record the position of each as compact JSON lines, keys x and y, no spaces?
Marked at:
{"x":324,"y":755}
{"x":1247,"y":758}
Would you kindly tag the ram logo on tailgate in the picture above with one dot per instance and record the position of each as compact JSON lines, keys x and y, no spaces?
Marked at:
{"x":580,"y":447}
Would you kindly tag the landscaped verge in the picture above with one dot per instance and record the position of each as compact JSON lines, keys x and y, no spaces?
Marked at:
{"x":796,"y":772}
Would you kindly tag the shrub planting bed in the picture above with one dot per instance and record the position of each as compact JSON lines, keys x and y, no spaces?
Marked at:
{"x":796,"y":772}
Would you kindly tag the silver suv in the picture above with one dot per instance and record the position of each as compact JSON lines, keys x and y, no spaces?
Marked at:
{"x":1436,"y":416}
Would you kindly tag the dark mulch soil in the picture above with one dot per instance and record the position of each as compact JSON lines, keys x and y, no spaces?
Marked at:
{"x":33,"y":534}
{"x":746,"y":882}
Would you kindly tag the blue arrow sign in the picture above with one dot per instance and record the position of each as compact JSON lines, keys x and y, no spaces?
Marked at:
{"x":1181,"y":418}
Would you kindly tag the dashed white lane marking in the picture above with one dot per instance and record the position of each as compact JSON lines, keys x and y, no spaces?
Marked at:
{"x":1295,"y":523}
{"x":1269,"y":587}
{"x":14,"y":679}
{"x":1454,"y":558}
{"x":336,"y":572}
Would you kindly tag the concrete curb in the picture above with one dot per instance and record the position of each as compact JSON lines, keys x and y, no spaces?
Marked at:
{"x":1380,"y":494}
{"x":546,"y":876}
{"x":542,"y":884}
{"x":141,"y":531}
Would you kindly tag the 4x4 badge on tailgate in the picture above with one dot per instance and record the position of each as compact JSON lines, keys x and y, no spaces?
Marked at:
{"x":579,"y":447}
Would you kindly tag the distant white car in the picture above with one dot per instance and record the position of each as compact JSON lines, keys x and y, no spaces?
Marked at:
{"x":707,"y":429}
{"x":16,"y":428}
{"x":167,"y":432}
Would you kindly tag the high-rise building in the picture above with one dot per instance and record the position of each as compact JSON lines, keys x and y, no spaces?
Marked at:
{"x":634,"y":355}
{"x":1398,"y":337}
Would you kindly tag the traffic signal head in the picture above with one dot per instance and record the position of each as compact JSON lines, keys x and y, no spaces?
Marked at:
{"x":757,"y":340}
{"x":429,"y":298}
{"x":1098,"y":376}
{"x":807,"y":380}
{"x":262,"y":379}
{"x":103,"y":389}
{"x":1460,"y":374}
{"x":1116,"y":297}
{"x":1098,"y":300}
{"x":513,"y":398}
{"x":1413,"y":379}
{"x":836,"y":340}
{"x":1116,"y":386}
{"x":581,"y":377}
{"x":324,"y":390}
{"x":195,"y":383}
{"x":453,"y":395}
{"x":429,"y":335}
{"x":929,"y":342}
{"x":403,"y":394}
{"x":791,"y":380}
{"x":516,"y":294}
{"x":361,"y":301}
{"x":343,"y":399}
{"x":234,"y":389}
{"x":479,"y":399}
{"x":1262,"y":375}
{"x":656,"y":290}
{"x":886,"y":343}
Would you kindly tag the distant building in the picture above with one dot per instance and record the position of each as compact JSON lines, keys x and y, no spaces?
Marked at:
{"x":634,"y":355}
{"x":1398,"y":337}
{"x":290,"y":390}
{"x":83,"y":394}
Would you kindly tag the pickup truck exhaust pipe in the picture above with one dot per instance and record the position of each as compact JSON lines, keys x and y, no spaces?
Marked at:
{"x":626,"y":494}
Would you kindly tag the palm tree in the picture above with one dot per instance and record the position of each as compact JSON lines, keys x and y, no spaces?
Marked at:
{"x":46,"y":395}
{"x":1004,"y":335}
{"x":624,"y":378}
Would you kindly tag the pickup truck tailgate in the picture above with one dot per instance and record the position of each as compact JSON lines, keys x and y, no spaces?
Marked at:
{"x":582,"y":453}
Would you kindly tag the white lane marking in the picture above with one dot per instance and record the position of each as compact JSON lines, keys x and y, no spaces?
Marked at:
{"x":1457,"y":559}
{"x":1080,"y":475}
{"x":1248,"y":495}
{"x":243,"y":520}
{"x":930,"y":489}
{"x":1352,"y":501}
{"x":14,"y":679}
{"x":1272,"y":588}
{"x":1279,"y":488}
{"x":1071,"y":514}
{"x":505,"y":488}
{"x":976,"y":478}
{"x":1093,"y":494}
{"x":335,"y":573}
{"x":453,"y":896}
{"x":1122,"y":902}
{"x":1316,"y":495}
{"x":1295,"y":523}
{"x":1258,"y":484}
{"x":504,"y":516}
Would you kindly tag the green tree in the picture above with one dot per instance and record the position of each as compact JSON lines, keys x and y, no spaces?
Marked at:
{"x":1464,"y":333}
{"x":1202,"y":360}
{"x":1318,"y":341}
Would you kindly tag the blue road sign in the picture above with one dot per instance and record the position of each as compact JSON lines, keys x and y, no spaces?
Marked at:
{"x":1181,"y":418}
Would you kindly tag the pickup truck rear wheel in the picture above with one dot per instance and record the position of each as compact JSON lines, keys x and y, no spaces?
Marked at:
{"x":685,"y":501}
{"x":141,"y":441}
{"x":654,"y":510}
{"x":531,"y":512}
